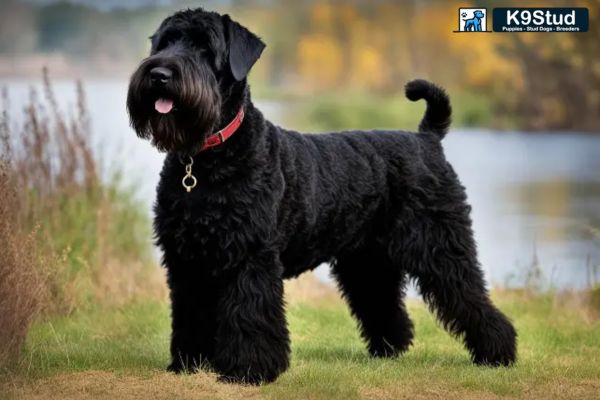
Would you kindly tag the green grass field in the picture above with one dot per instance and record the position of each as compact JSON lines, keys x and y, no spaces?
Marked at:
{"x":121,"y":353}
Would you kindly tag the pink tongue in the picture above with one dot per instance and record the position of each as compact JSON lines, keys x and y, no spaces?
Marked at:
{"x":163,"y":106}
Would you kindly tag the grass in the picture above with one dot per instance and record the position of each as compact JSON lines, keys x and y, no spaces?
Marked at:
{"x":121,"y":353}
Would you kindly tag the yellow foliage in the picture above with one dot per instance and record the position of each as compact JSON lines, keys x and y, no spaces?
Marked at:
{"x":322,"y":16}
{"x":319,"y":59}
{"x":344,"y":45}
{"x":483,"y":65}
{"x":367,"y":67}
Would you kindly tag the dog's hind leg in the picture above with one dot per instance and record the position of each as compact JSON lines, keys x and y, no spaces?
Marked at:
{"x":374,"y":290}
{"x":439,"y":251}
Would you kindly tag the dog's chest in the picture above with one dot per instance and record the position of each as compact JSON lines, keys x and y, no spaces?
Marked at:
{"x":211,"y":228}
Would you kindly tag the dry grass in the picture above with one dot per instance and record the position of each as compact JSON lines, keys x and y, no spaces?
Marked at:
{"x":579,"y":303}
{"x":110,"y":385}
{"x":157,"y":385}
{"x":586,"y":389}
{"x":307,"y":289}
{"x":70,"y":239}
{"x":117,"y":284}
{"x":90,"y":224}
{"x":22,"y":282}
{"x":49,"y":160}
{"x":54,"y":153}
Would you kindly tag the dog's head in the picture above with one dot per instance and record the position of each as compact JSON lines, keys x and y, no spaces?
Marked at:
{"x":478,"y":14}
{"x":197,"y":60}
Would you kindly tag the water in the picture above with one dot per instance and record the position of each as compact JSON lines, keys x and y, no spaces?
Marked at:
{"x":535,"y":197}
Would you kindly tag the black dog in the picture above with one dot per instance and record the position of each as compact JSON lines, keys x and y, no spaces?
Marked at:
{"x":241,"y":209}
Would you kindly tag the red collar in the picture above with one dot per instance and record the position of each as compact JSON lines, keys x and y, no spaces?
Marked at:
{"x":221,"y":136}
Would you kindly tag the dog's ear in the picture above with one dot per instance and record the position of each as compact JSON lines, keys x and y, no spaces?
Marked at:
{"x":244,"y":48}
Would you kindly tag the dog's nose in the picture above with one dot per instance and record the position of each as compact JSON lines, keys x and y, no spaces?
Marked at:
{"x":160,"y":75}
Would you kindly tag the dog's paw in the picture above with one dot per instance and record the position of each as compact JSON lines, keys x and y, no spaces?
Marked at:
{"x":495,"y":360}
{"x":496,"y":355}
{"x":385,"y":349}
{"x":495,"y":344}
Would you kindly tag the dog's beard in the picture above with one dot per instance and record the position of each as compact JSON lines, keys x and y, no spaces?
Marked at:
{"x":196,"y":106}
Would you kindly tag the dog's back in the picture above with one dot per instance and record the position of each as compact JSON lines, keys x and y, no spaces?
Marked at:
{"x":347,"y":185}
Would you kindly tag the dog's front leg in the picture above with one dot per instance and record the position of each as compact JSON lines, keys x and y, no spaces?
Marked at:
{"x":193,"y":318}
{"x":252,"y":341}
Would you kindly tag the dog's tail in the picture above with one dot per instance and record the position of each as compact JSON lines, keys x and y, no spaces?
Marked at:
{"x":437,"y":117}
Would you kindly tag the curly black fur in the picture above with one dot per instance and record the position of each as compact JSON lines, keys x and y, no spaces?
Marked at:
{"x":381,"y":206}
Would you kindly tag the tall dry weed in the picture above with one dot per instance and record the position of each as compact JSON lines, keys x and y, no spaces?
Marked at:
{"x":69,"y":239}
{"x":23,"y":282}
{"x":97,"y":226}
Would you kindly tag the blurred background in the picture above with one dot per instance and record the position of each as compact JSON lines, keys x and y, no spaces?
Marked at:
{"x":525,"y":138}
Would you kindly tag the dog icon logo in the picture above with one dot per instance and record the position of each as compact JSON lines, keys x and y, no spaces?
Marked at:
{"x":472,"y":20}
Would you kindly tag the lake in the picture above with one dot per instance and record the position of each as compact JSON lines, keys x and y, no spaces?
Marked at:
{"x":535,"y":197}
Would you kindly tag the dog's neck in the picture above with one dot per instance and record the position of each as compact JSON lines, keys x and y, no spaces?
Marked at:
{"x":240,"y":152}
{"x":237,"y":97}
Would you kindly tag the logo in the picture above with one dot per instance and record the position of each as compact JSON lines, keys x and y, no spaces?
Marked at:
{"x":472,"y":20}
{"x":541,"y":19}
